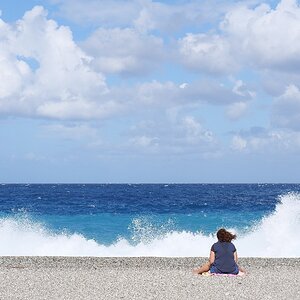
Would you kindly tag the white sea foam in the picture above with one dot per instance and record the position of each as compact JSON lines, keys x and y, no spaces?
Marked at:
{"x":275,"y":236}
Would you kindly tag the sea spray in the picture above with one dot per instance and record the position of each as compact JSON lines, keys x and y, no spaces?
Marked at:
{"x":276,"y":235}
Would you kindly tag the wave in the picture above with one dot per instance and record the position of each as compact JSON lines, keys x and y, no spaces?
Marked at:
{"x":275,"y":236}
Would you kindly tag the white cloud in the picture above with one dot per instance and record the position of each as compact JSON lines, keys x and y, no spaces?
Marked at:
{"x":259,"y":140}
{"x":86,"y":136}
{"x":183,"y":85}
{"x":163,"y":136}
{"x":238,"y":143}
{"x":104,"y":12}
{"x":124,"y":51}
{"x":173,"y":17}
{"x":194,"y":131}
{"x":270,"y":38}
{"x":150,"y":144}
{"x":45,"y":74}
{"x":207,"y":53}
{"x":80,"y":109}
{"x":63,"y":85}
{"x":236,"y":110}
{"x":206,"y":91}
{"x":286,"y":109}
{"x":155,"y":98}
{"x":241,"y":89}
{"x":175,"y":135}
{"x":145,"y":15}
{"x":259,"y":37}
{"x":275,"y":82}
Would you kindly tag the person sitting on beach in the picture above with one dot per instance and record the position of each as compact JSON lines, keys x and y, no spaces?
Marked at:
{"x":223,"y":256}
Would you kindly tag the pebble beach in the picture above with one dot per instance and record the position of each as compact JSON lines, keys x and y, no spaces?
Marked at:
{"x":144,"y":278}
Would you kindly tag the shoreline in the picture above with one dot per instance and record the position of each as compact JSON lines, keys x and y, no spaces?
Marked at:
{"x":47,"y":277}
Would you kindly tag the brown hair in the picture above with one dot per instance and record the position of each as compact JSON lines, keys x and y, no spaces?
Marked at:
{"x":225,"y":236}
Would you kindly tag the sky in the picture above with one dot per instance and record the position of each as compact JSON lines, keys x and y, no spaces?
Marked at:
{"x":142,"y":91}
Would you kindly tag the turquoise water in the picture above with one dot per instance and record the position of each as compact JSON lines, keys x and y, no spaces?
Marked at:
{"x":134,"y":215}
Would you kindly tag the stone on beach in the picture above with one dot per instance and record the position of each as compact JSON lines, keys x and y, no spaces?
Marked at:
{"x":144,"y":278}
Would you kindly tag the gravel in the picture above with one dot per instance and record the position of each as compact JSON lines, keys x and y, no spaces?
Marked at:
{"x":144,"y":278}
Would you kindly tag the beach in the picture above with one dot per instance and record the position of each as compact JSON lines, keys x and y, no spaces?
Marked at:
{"x":144,"y":278}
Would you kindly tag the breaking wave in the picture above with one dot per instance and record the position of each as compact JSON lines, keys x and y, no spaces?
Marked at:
{"x":275,"y":236}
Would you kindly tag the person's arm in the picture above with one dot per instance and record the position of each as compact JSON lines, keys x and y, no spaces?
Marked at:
{"x":236,"y":260}
{"x":235,"y":256}
{"x":206,"y":266}
{"x":212,"y":257}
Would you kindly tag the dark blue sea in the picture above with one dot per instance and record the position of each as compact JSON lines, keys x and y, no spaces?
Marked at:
{"x":148,"y":219}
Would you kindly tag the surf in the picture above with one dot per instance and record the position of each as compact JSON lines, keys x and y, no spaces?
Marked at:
{"x":276,"y":235}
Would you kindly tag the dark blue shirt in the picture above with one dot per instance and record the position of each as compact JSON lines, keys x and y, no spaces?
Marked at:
{"x":224,"y":258}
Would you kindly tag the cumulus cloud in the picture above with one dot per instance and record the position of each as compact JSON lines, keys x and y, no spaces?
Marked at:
{"x":166,"y":135}
{"x":146,"y":15}
{"x":286,"y":109}
{"x":236,"y":110}
{"x":62,"y":85}
{"x":207,"y":53}
{"x":275,"y":82}
{"x":45,"y":74}
{"x":141,"y":53}
{"x":144,"y":143}
{"x":173,"y":17}
{"x":194,"y":131}
{"x":104,"y":12}
{"x":130,"y":23}
{"x":205,"y":91}
{"x":258,"y":36}
{"x":270,"y":38}
{"x":154,"y":97}
{"x":238,"y":143}
{"x":262,"y":140}
{"x":182,"y":134}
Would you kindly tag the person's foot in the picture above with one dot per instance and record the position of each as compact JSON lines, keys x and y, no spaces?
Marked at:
{"x":196,"y":272}
{"x":242,"y":270}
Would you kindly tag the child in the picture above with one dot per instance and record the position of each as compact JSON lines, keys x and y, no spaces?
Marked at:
{"x":223,"y":256}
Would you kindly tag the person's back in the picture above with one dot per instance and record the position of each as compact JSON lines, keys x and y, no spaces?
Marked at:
{"x":224,"y":258}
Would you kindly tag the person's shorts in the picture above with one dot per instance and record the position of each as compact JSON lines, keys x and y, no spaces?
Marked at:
{"x":214,"y":269}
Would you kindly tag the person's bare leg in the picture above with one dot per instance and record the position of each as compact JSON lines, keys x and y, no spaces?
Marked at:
{"x":202,"y":269}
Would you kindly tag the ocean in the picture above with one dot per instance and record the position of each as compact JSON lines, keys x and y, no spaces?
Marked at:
{"x":172,"y":220}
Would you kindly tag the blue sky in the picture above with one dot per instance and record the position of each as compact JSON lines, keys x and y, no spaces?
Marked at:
{"x":149,"y":91}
